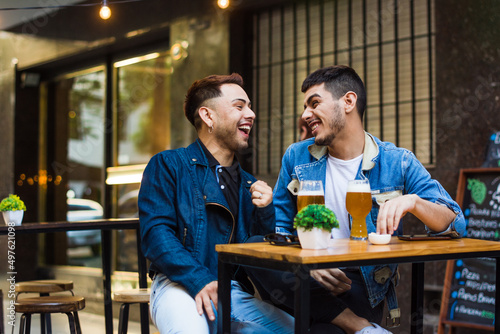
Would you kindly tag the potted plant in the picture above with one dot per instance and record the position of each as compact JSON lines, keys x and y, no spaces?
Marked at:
{"x":314,"y":225}
{"x":12,"y":208}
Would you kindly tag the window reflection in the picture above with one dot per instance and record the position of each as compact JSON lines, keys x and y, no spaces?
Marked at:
{"x":143,"y":107}
{"x":81,"y":99}
{"x":143,"y":129}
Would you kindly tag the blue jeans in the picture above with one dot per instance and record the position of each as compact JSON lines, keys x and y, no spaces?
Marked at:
{"x":173,"y":310}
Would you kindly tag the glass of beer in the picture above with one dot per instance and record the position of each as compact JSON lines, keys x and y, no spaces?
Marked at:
{"x":358,"y":204}
{"x":310,"y":192}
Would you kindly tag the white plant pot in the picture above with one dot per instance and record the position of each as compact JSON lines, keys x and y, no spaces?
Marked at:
{"x":13,"y":217}
{"x":317,"y":238}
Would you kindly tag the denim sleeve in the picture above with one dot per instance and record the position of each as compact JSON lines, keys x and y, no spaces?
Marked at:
{"x":159,"y":227}
{"x":418,"y":181}
{"x":265,"y":220}
{"x":285,"y":202}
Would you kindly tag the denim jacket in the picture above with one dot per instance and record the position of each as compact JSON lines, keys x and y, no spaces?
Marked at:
{"x":184,"y":214}
{"x":392,"y":172}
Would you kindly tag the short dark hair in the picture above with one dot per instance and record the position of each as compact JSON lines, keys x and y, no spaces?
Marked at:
{"x":338,"y":80}
{"x":203,"y":90}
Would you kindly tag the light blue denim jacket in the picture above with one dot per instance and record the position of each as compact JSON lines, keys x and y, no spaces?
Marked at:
{"x":392,"y":172}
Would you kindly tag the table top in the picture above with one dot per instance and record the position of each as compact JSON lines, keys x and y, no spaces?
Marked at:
{"x":346,"y":250}
{"x":98,"y":224}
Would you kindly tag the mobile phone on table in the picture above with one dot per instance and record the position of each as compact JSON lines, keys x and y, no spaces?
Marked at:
{"x":420,"y":237}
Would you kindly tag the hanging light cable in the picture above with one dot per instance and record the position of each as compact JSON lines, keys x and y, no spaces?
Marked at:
{"x":105,"y":12}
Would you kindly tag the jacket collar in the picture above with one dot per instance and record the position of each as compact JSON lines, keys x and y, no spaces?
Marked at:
{"x":196,"y":155}
{"x":370,"y":152}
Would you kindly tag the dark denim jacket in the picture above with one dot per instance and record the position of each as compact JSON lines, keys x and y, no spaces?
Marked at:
{"x":184,"y":214}
{"x":392,"y":172}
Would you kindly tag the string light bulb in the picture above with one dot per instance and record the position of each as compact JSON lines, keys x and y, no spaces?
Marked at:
{"x":105,"y":12}
{"x":223,"y":4}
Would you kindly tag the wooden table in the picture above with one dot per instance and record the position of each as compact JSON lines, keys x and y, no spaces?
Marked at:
{"x":346,"y":253}
{"x":106,"y":226}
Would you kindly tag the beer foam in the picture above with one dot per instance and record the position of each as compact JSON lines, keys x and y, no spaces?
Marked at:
{"x":358,"y":188}
{"x":310,"y":193}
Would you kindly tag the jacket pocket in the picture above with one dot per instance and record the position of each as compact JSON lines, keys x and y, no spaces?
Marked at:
{"x":383,"y":197}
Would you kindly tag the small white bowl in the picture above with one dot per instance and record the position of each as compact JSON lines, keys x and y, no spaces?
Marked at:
{"x":379,"y":239}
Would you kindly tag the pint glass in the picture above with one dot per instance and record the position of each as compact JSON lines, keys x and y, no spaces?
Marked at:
{"x":310,"y":192}
{"x":358,"y":204}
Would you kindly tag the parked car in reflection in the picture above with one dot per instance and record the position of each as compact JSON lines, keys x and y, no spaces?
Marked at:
{"x":84,"y":209}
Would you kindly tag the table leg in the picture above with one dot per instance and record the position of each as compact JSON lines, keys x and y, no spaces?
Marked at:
{"x":106,"y":277}
{"x":143,"y":283}
{"x":2,"y":330}
{"x":417,"y":298}
{"x":224,"y":308}
{"x":497,"y":297}
{"x":302,"y":300}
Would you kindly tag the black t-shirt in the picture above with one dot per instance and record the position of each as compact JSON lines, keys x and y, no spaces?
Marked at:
{"x":228,"y":179}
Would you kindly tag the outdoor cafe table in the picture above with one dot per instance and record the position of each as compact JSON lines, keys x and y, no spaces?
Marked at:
{"x":347,"y":253}
{"x":106,"y":226}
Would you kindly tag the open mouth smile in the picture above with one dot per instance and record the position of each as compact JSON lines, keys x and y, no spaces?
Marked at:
{"x":245,"y":128}
{"x":313,"y":125}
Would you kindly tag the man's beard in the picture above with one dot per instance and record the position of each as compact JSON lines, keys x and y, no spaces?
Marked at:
{"x":228,"y":139}
{"x":336,"y":125}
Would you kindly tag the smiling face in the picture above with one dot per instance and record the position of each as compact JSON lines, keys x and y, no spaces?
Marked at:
{"x":232,"y":118}
{"x":323,"y":114}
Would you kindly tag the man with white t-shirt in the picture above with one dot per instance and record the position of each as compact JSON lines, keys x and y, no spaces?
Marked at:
{"x":352,"y":299}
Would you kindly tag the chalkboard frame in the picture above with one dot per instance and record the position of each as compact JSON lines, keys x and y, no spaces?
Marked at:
{"x":465,"y":174}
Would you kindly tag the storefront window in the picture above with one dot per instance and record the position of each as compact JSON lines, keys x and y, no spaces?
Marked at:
{"x":143,"y":129}
{"x":80,"y":158}
{"x":143,"y":107}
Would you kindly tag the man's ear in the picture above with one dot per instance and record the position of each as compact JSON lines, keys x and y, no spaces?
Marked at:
{"x":350,"y":99}
{"x":206,"y":116}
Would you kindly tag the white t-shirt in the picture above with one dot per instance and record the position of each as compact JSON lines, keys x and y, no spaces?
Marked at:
{"x":338,"y":173}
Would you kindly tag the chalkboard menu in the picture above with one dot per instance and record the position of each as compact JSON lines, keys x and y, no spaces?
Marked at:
{"x":469,"y":287}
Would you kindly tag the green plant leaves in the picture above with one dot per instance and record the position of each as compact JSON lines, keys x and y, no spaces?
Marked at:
{"x":12,"y":203}
{"x":316,"y":215}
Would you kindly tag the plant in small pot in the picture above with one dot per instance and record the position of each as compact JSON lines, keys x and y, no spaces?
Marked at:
{"x":12,"y":208}
{"x":314,"y":225}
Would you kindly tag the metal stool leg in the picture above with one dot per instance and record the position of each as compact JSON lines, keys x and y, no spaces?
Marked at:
{"x":123,"y":320}
{"x":77,"y":323}
{"x":71,"y":320}
{"x":21,"y":324}
{"x":25,"y":326}
{"x":43,"y":323}
{"x":47,"y":321}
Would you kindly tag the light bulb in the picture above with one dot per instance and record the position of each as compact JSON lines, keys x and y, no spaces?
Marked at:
{"x":105,"y":12}
{"x":223,"y":4}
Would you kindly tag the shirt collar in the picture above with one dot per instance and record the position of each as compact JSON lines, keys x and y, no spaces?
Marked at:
{"x":212,"y":162}
{"x":232,"y":170}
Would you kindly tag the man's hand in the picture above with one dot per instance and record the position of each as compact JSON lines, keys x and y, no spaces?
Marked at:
{"x":334,"y":280}
{"x":391,"y":212}
{"x":262,"y":194}
{"x":203,"y":298}
{"x":436,"y":217}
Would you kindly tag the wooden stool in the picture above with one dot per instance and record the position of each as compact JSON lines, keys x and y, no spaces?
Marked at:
{"x":70,"y":305}
{"x":44,"y":288}
{"x":127,"y":297}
